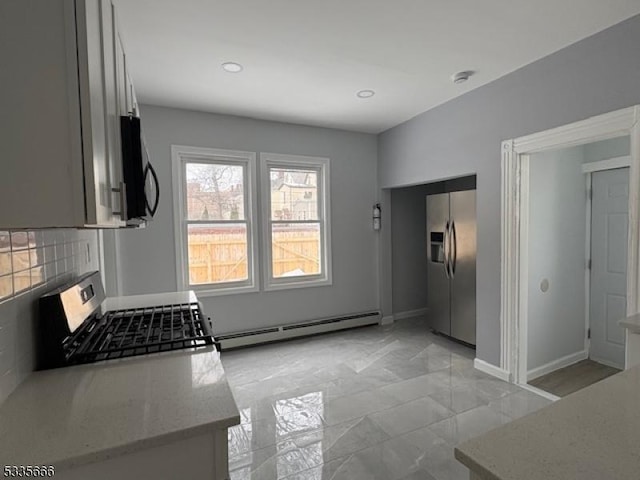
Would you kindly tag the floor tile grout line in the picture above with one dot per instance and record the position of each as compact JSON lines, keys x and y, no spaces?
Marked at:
{"x":385,"y":371}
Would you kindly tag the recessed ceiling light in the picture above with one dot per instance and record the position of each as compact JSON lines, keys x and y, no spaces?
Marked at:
{"x":365,"y":93}
{"x":462,"y":77}
{"x":232,"y":67}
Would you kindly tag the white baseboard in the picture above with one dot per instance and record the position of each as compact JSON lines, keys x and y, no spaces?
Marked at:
{"x":388,"y":320}
{"x":557,"y":364}
{"x":607,"y":363}
{"x":283,"y":332}
{"x":538,"y":391}
{"x":491,"y":370}
{"x":410,"y":313}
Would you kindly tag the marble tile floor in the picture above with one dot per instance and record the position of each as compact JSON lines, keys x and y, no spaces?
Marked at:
{"x":380,"y":403}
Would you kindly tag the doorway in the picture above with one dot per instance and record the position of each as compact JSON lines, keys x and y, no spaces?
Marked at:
{"x":577,"y":265}
{"x":517,"y":284}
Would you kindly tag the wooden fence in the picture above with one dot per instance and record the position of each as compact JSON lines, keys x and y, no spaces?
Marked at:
{"x":223,"y":257}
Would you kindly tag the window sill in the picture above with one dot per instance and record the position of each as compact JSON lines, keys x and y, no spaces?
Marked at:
{"x":323,"y":282}
{"x":206,"y":291}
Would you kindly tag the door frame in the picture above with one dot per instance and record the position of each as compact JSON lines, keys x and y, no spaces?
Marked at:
{"x":516,"y":155}
{"x":589,"y":169}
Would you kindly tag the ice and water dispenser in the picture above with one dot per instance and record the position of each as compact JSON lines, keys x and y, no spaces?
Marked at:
{"x":437,"y":247}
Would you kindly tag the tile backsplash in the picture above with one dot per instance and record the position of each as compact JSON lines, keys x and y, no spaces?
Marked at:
{"x":32,"y":263}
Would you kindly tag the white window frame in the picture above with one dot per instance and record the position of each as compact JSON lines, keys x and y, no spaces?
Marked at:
{"x":270,"y":160}
{"x":181,"y":155}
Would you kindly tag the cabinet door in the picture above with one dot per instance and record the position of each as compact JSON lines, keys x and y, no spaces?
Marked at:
{"x":110,"y":39}
{"x":99,"y":60}
{"x":41,"y":170}
{"x":133,"y":101}
{"x":123,"y":83}
{"x":69,"y":47}
{"x":132,"y":107}
{"x":91,"y":70}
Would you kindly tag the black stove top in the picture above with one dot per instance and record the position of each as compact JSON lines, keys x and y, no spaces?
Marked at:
{"x":125,"y":333}
{"x":73,"y":331}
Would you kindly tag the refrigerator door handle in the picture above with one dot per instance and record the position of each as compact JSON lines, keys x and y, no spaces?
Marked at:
{"x":446,"y":250}
{"x":454,"y":248}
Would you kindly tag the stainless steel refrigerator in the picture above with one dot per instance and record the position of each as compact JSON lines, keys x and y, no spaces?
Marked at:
{"x":451,"y":257}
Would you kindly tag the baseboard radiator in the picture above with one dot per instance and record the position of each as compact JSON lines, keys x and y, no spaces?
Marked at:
{"x":284,"y":332}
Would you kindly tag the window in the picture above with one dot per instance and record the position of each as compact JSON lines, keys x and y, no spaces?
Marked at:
{"x":295,"y":219}
{"x":215,"y":205}
{"x":214,"y":208}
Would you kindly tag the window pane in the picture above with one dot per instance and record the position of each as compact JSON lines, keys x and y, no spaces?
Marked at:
{"x":294,"y":194}
{"x":215,"y":192}
{"x":295,"y":249}
{"x":217,"y":253}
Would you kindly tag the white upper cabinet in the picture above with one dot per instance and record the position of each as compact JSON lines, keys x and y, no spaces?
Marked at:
{"x":64,"y":84}
{"x":123,"y":79}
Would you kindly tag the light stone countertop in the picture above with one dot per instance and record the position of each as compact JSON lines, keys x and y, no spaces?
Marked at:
{"x":76,"y":415}
{"x":593,"y":434}
{"x":631,"y":323}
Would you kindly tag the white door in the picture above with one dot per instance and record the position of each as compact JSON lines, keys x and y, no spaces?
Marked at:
{"x":608,"y":296}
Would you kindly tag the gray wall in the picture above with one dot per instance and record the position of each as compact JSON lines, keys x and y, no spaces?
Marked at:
{"x":597,"y":75}
{"x":408,"y":239}
{"x":557,"y":241}
{"x":409,"y":259}
{"x":147,"y":257}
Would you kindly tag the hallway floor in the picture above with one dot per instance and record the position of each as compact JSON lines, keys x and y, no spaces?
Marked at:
{"x":381,"y":402}
{"x":575,"y":377}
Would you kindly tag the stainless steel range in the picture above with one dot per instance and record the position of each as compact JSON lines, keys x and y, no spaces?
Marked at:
{"x":78,"y":324}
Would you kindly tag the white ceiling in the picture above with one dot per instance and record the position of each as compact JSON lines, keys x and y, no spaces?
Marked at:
{"x":304,"y":60}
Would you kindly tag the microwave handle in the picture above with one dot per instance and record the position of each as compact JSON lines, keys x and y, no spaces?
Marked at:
{"x":152,"y":210}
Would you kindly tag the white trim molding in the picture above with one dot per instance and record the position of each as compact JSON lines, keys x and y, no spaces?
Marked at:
{"x":587,"y":262}
{"x":492,"y":370}
{"x":180,"y":156}
{"x":608,"y":164}
{"x":540,"y":392}
{"x":302,"y":329}
{"x":410,"y":313}
{"x":557,"y":364}
{"x":386,"y":320}
{"x":601,"y":127}
{"x":516,"y":155}
{"x":608,"y":363}
{"x":322,"y":166}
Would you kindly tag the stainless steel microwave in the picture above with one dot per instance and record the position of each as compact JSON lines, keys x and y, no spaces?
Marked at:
{"x":142,"y":190}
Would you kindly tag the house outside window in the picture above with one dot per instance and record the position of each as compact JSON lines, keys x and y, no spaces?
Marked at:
{"x":296,"y":227}
{"x":218,"y":226}
{"x":215,"y":208}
